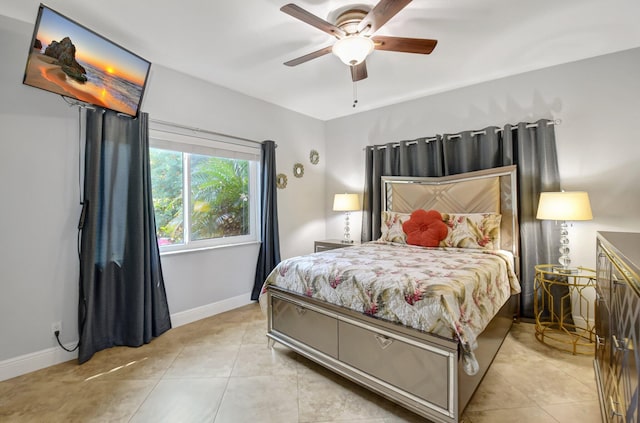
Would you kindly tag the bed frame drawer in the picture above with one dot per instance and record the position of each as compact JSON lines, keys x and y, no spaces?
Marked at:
{"x":424,"y":372}
{"x":317,"y":330}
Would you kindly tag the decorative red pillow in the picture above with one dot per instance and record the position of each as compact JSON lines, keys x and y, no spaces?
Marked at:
{"x":425,"y":228}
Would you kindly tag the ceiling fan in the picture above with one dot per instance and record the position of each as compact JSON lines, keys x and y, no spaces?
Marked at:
{"x":354,"y":29}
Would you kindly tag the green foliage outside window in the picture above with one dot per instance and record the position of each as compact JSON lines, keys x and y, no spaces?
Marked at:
{"x":219,"y":196}
{"x":166,"y":181}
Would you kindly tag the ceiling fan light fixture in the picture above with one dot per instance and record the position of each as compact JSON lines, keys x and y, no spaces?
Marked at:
{"x":353,"y":50}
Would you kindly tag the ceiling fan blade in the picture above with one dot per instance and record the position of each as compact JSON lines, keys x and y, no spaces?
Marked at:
{"x":380,"y":14}
{"x":311,"y":19}
{"x":309,"y":56}
{"x":404,"y":45}
{"x":358,"y":72}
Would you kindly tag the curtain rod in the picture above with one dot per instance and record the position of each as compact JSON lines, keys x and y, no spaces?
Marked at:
{"x":483,"y":132}
{"x":473,"y":133}
{"x":205,"y":131}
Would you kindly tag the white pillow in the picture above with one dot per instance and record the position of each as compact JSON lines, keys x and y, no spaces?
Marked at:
{"x":391,"y":227}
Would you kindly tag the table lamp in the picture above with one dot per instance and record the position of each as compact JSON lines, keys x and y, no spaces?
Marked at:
{"x":564,"y":206}
{"x":346,"y":203}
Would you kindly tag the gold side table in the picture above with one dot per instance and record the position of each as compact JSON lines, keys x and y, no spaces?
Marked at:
{"x":564,"y":308}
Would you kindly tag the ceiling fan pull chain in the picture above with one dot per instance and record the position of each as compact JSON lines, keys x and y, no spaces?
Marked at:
{"x":355,"y":94}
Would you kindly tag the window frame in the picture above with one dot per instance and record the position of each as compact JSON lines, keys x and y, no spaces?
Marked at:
{"x":192,"y":141}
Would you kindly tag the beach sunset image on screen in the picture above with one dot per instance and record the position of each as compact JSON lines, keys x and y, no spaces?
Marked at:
{"x":68,"y":59}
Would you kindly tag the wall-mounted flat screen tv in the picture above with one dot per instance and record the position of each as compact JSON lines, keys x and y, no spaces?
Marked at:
{"x":71,"y":60}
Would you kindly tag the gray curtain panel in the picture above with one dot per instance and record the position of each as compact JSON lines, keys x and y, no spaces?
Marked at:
{"x":419,"y":157}
{"x":535,"y":154}
{"x":122,"y":297}
{"x":269,"y":255}
{"x":531,"y":147}
{"x":469,"y":151}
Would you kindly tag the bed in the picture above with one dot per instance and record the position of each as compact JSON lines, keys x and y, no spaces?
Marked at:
{"x":428,"y":345}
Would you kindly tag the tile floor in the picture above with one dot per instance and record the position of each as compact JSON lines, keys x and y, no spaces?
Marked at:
{"x":220,"y":370}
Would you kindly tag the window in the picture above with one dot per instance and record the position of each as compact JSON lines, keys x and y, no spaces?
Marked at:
{"x":205,"y":188}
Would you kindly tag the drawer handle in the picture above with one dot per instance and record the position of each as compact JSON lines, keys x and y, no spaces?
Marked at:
{"x":301,"y":310}
{"x":617,"y":282}
{"x":613,"y":406}
{"x":599,"y":342}
{"x":384,"y":341}
{"x":619,"y":345}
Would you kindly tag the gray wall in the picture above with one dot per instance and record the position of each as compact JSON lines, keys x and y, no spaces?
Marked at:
{"x":598,"y":101}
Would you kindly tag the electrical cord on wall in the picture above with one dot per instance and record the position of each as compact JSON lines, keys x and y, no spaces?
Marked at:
{"x":57,"y":334}
{"x":83,"y":213}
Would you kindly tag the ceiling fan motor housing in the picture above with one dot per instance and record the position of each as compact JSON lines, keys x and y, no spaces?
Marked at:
{"x":349,"y":20}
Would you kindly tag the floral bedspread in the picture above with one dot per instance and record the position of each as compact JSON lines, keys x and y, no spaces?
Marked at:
{"x":451,"y":292}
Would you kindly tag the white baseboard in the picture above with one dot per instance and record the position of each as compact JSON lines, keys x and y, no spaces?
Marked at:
{"x":35,"y":361}
{"x":31,"y":362}
{"x":208,"y":310}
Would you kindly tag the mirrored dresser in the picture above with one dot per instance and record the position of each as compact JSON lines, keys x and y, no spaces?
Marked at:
{"x":618,"y":325}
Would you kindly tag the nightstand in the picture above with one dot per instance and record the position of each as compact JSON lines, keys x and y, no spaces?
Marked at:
{"x":331,"y":244}
{"x":563,"y":304}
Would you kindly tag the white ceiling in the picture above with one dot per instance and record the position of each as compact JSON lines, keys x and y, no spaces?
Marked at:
{"x":242,"y":44}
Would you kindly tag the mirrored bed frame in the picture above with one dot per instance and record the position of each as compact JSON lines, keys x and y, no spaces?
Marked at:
{"x":420,"y":371}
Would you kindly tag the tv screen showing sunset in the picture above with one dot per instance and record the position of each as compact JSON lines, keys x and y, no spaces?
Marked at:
{"x":68,"y":59}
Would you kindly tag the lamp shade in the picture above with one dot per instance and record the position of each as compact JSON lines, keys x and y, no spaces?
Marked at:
{"x":353,"y":50}
{"x":565,"y":205}
{"x":346,"y":202}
